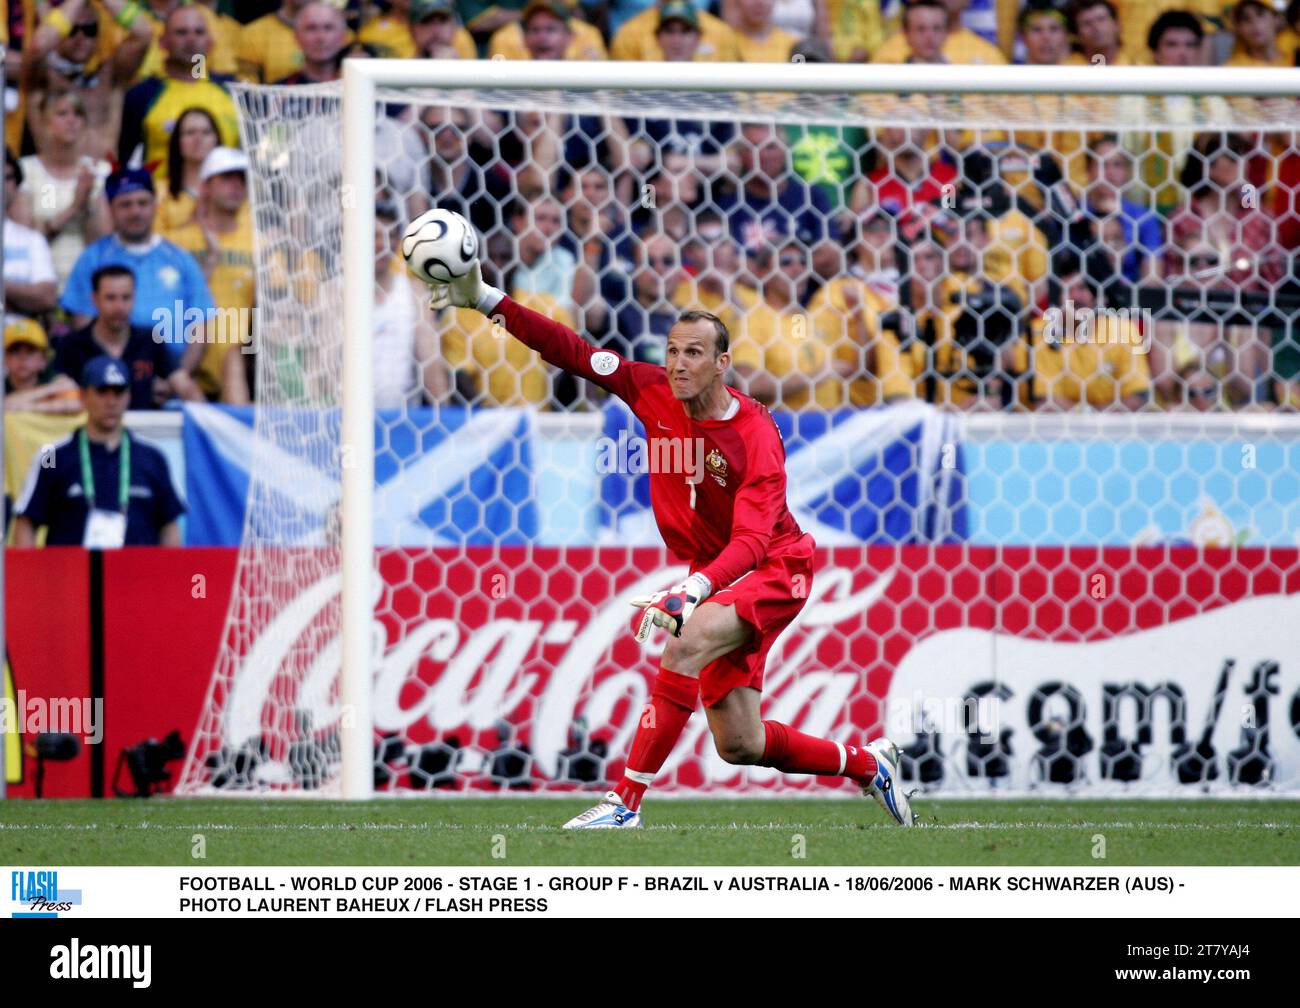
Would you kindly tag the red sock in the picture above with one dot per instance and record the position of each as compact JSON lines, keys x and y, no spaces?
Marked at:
{"x":791,"y":751}
{"x":671,"y":702}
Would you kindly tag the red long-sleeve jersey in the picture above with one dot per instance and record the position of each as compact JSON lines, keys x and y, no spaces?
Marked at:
{"x":722,"y":507}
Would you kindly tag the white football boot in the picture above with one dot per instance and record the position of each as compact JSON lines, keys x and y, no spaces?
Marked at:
{"x":609,"y":813}
{"x":887,"y":786}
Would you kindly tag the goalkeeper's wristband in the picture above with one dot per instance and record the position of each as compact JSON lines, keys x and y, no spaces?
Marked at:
{"x":488,"y":298}
{"x":705,"y":585}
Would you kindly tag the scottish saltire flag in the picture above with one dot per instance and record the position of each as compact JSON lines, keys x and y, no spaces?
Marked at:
{"x":892,"y":474}
{"x":448,"y":476}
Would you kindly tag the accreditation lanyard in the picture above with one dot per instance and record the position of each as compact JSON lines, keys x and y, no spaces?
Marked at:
{"x":88,"y":476}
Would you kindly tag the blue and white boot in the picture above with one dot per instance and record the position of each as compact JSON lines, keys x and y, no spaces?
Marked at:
{"x":886,"y":786}
{"x":610,"y":813}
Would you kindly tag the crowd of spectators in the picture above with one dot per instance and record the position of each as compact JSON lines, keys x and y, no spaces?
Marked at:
{"x":1020,"y":268}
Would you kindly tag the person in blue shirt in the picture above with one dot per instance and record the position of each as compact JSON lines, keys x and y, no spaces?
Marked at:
{"x":100,"y":487}
{"x":1110,"y":173}
{"x":172,"y":298}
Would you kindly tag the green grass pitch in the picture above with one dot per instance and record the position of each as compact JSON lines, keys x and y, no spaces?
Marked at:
{"x":678,"y":832}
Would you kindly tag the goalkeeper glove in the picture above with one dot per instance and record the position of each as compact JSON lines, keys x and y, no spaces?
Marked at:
{"x":672,"y":608}
{"x":468,"y":291}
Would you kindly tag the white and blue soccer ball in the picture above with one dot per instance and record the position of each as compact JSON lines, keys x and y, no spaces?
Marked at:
{"x":440,"y":246}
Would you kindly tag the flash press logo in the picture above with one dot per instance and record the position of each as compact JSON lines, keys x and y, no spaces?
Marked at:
{"x":76,"y":961}
{"x":39,"y":894}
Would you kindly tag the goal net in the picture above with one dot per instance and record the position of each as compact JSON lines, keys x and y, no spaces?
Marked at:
{"x":1033,"y":356}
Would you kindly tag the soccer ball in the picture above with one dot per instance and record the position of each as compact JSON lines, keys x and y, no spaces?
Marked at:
{"x":439,"y":246}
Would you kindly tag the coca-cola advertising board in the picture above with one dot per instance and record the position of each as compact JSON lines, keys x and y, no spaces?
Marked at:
{"x":1163,"y":670}
{"x":1053,"y":671}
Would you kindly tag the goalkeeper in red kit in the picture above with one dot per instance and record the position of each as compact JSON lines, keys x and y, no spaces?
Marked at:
{"x":750,"y":563}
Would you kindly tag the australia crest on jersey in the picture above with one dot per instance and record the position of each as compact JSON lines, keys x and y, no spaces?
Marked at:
{"x":717,"y":466}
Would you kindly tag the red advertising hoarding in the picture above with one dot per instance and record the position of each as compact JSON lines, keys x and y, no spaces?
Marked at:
{"x":1134,"y":667}
{"x":161,"y":612}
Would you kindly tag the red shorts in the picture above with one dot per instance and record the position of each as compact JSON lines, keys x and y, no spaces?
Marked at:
{"x":768,"y":598}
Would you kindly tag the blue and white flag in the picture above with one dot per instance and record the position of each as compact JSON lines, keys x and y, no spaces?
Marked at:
{"x":448,"y":476}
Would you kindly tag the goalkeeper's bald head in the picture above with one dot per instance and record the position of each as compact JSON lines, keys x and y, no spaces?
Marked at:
{"x":721,"y":338}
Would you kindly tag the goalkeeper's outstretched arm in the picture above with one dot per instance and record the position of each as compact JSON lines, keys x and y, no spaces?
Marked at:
{"x":558,"y":344}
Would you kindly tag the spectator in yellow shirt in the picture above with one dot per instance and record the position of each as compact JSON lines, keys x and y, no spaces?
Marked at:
{"x":874,"y":259}
{"x":151,"y":108}
{"x":1012,"y":250}
{"x":222,"y":27}
{"x":83,"y":49}
{"x":1096,"y":29}
{"x":925,"y":31}
{"x":1099,"y":360}
{"x":1098,"y":43}
{"x":959,"y":335}
{"x":846,"y":315}
{"x":640,"y":38}
{"x":268,"y":48}
{"x":387,"y":30}
{"x":1138,"y":17}
{"x":1289,"y":39}
{"x":220,"y":237}
{"x":552,"y":138}
{"x":1045,"y":32}
{"x":322,"y":37}
{"x":777,"y":354}
{"x":932,"y":32}
{"x":1175,"y":40}
{"x":225,"y":33}
{"x":846,"y":318}
{"x":392,"y":34}
{"x":1257,"y":27}
{"x":193,"y":137}
{"x":31,"y":383}
{"x":678,"y":32}
{"x":437,"y":32}
{"x":758,"y":39}
{"x":856,"y":29}
{"x":547,"y":30}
